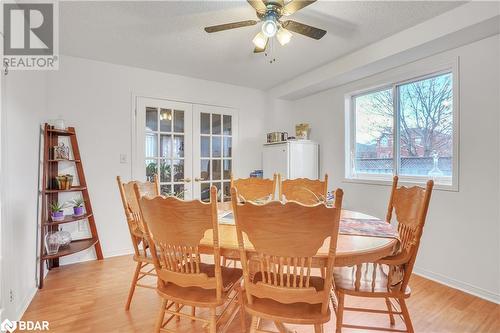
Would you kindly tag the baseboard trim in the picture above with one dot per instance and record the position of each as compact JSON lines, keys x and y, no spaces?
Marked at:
{"x":110,"y":254}
{"x":24,"y":305}
{"x":118,"y":253}
{"x":456,"y":284}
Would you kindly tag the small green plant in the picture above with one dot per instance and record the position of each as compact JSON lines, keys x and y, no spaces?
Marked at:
{"x":77,"y":202}
{"x":55,"y":206}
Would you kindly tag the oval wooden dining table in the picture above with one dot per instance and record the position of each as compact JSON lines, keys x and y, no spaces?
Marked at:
{"x":351,"y":249}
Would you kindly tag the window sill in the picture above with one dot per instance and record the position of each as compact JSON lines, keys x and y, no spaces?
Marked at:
{"x":402,"y":181}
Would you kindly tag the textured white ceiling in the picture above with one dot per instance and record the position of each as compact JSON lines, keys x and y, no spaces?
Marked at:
{"x":169,"y":37}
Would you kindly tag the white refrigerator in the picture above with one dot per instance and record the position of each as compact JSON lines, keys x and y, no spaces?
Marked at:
{"x":292,"y":159}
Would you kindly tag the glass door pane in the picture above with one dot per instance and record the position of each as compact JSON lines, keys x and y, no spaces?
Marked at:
{"x":214,"y":131}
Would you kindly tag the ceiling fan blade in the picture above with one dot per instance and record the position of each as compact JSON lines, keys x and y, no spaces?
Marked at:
{"x":296,"y":5}
{"x":258,"y":5}
{"x":227,"y":26}
{"x":303,"y":29}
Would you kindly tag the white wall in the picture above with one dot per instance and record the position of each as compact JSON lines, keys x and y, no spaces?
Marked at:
{"x":96,"y":98}
{"x":461,"y":240}
{"x":24,"y":105}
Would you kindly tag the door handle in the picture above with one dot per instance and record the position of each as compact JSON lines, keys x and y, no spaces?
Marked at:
{"x":186,"y":180}
{"x":199,"y":179}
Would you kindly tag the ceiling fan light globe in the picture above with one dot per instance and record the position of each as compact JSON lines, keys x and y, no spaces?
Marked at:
{"x":284,"y":36}
{"x":260,"y":40}
{"x":269,"y":28}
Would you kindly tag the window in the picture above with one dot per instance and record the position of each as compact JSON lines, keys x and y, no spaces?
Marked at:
{"x":406,"y":129}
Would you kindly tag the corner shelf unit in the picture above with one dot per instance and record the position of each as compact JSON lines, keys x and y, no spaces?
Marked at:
{"x":50,"y":194}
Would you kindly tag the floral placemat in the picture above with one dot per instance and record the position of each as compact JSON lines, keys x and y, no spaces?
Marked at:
{"x":367,"y":227}
{"x":348,"y":226}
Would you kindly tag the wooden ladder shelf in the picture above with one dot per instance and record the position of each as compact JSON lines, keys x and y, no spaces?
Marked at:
{"x":50,"y":193}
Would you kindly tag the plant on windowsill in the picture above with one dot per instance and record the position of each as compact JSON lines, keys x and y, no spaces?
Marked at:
{"x":56,"y":211}
{"x":77,"y":204}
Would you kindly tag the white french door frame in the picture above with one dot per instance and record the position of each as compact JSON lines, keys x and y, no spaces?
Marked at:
{"x":191,"y":138}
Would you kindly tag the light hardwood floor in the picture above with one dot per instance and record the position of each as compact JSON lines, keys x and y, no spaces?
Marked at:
{"x":90,"y":297}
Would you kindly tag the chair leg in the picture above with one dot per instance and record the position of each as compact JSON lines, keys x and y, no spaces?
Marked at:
{"x":340,"y":311}
{"x":389,"y":308}
{"x":318,"y":328}
{"x":213,"y":320}
{"x":406,"y":315}
{"x":161,"y":315}
{"x":254,"y":325}
{"x":193,"y":312}
{"x":177,"y":308}
{"x":243,"y":323}
{"x":132,"y":286}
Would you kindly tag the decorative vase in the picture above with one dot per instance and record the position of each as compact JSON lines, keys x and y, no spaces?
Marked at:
{"x":59,"y":124}
{"x":57,"y":216}
{"x":302,"y":131}
{"x":64,"y":182}
{"x":63,"y":238}
{"x":78,"y":210}
{"x":51,"y":243}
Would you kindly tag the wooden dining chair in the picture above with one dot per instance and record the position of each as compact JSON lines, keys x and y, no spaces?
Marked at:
{"x":388,"y":278}
{"x":175,"y":229}
{"x":144,"y":261}
{"x":281,"y":287}
{"x":303,"y":190}
{"x":251,"y":189}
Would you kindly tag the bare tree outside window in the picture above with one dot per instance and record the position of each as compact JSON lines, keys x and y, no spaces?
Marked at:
{"x":425,"y":127}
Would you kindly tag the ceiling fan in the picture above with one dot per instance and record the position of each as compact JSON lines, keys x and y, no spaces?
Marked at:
{"x":270,"y":12}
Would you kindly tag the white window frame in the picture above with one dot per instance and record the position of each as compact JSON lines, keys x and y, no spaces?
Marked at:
{"x":441,"y":183}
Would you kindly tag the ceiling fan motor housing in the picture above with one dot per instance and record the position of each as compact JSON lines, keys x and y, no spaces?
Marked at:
{"x":272,"y":10}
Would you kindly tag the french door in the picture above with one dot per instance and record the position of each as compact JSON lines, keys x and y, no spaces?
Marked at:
{"x":188,"y":146}
{"x":164,"y":145}
{"x":214,"y":139}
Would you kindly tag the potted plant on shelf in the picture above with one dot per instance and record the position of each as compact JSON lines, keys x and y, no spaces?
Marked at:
{"x":56,"y":211}
{"x":78,"y":206}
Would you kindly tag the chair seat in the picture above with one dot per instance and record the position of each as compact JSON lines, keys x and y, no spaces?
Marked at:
{"x":144,"y":258}
{"x":294,"y":313}
{"x":345,"y":281}
{"x":198,"y":296}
